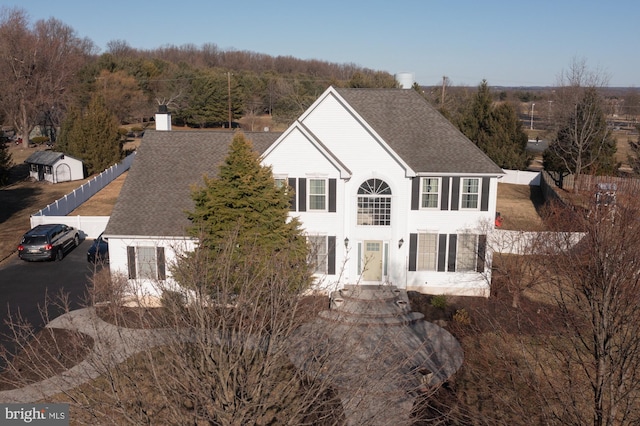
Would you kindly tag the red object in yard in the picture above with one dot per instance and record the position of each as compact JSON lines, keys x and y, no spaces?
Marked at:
{"x":498,"y":220}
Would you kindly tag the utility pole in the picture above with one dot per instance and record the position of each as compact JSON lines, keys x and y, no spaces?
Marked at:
{"x":532,"y":105}
{"x":229,"y":92}
{"x":444,"y":81}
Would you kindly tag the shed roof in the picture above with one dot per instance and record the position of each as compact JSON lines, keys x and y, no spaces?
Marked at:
{"x":46,"y":158}
{"x":155,"y":196}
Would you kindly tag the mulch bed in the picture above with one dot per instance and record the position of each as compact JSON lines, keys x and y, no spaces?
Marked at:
{"x":50,"y":352}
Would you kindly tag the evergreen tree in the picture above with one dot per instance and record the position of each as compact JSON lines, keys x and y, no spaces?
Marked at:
{"x":92,"y":136}
{"x":496,"y":130}
{"x":583,"y":143}
{"x":243,"y":211}
{"x":5,"y":163}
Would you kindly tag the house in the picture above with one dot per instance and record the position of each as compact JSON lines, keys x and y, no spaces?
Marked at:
{"x":54,"y":167}
{"x":387,"y":190}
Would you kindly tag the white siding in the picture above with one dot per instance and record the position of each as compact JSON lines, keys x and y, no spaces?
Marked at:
{"x":365,"y":157}
{"x":118,"y":262}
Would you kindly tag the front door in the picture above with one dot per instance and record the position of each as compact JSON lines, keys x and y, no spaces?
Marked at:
{"x":372,"y":261}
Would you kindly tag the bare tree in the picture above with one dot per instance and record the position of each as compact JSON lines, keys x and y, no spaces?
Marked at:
{"x":596,"y":286}
{"x":517,"y":264}
{"x":38,"y":65}
{"x":583,"y":141}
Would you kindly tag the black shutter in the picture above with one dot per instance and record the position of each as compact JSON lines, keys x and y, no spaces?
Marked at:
{"x":484,"y":200}
{"x":292,"y":185}
{"x":455,"y":193}
{"x":160,"y":263}
{"x":442,"y":252}
{"x":413,"y":251}
{"x":302,"y":195}
{"x":131,"y":260}
{"x":415,"y":193}
{"x":482,"y":250}
{"x":331,"y":261}
{"x":332,"y":195}
{"x":444,"y":196}
{"x":453,"y":245}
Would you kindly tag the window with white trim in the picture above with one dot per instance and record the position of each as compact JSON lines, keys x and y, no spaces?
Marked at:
{"x":318,"y":253}
{"x":317,"y":194}
{"x":430,"y":195}
{"x":147,"y":262}
{"x":467,"y":256}
{"x":427,"y":252}
{"x":374,"y":203}
{"x":281,"y":182}
{"x":469,"y":193}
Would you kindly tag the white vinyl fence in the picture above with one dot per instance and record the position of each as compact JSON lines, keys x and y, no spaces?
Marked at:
{"x":520,"y":177}
{"x":90,"y":226}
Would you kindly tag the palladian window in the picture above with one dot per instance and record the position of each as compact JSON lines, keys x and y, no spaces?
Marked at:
{"x":374,"y":203}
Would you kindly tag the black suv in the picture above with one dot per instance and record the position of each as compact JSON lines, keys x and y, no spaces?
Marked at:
{"x":48,"y":242}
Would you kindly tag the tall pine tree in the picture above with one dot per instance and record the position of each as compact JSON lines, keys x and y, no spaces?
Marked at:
{"x":92,"y":136}
{"x":5,"y":163}
{"x":243,"y":211}
{"x":496,"y":130}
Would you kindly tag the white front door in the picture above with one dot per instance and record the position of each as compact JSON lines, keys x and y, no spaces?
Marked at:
{"x":372,"y":261}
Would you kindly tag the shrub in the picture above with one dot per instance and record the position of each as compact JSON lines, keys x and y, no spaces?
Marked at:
{"x":40,"y":139}
{"x":173,"y":299}
{"x":439,"y":301}
{"x":462,"y":317}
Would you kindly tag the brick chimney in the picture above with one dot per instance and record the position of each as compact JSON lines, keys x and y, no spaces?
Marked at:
{"x":163,"y":118}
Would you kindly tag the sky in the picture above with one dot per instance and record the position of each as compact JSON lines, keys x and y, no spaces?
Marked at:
{"x":507,"y":43}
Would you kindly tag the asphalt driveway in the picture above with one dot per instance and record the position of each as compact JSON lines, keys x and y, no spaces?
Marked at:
{"x":25,"y":288}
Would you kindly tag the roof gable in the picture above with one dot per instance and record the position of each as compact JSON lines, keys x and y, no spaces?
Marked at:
{"x":418,"y":134}
{"x":345,"y":173}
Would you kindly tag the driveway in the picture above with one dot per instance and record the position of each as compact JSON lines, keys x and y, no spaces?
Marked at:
{"x":26,"y":286}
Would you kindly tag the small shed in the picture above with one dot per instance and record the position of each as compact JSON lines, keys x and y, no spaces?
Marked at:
{"x":54,"y":167}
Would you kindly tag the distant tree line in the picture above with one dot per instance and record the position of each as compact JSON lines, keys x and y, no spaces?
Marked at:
{"x":51,"y":75}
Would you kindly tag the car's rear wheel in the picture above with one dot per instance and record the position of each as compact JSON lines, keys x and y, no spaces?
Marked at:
{"x":76,"y":241}
{"x":59,"y":254}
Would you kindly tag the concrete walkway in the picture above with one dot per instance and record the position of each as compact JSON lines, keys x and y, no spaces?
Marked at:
{"x":112,"y":345}
{"x":377,"y":353}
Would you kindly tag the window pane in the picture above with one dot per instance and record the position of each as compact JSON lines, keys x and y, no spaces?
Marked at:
{"x":427,"y":252}
{"x":146,"y":258}
{"x":317,"y":194}
{"x":430,"y":190}
{"x":374,"y":203}
{"x":470,"y":193}
{"x":318,"y":253}
{"x":467,"y":252}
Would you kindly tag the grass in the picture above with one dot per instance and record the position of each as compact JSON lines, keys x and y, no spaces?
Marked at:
{"x":518,"y":205}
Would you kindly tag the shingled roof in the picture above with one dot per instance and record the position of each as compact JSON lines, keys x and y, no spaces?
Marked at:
{"x":417,"y":132}
{"x":156,"y":193}
{"x":45,"y":158}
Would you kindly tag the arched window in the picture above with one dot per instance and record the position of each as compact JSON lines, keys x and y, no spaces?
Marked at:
{"x":374,"y":203}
